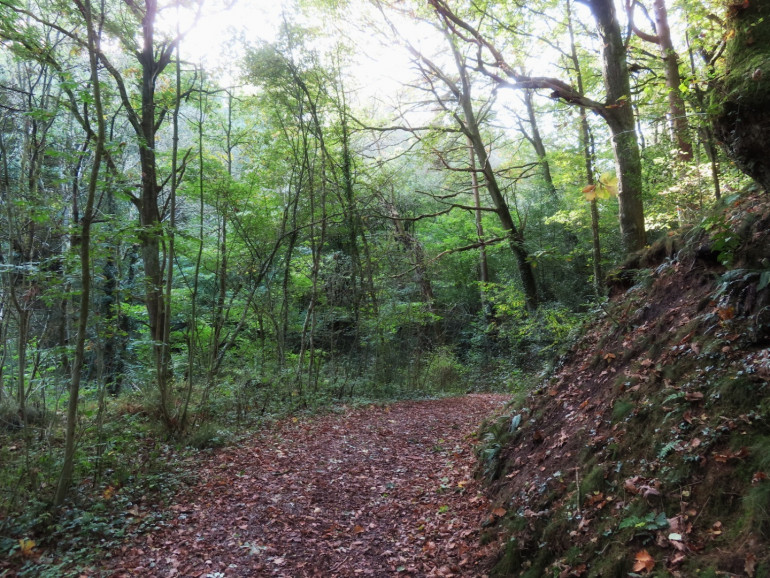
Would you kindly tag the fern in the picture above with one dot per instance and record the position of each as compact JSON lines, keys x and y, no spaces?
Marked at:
{"x":667,"y":449}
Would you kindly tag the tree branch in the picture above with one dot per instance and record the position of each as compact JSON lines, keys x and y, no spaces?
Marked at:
{"x":653,"y":38}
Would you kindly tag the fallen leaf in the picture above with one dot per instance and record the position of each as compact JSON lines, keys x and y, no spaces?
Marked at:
{"x":758,"y":477}
{"x":686,"y":338}
{"x":750,"y":566}
{"x":715,"y":530}
{"x":738,"y":455}
{"x":648,"y":491}
{"x":677,"y":559}
{"x":499,"y":512}
{"x":643,"y":561}
{"x":726,"y":313}
{"x":26,"y":546}
{"x":630,"y":485}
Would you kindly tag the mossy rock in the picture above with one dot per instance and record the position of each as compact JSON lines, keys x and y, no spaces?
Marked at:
{"x":747,"y":54}
{"x":741,"y":96}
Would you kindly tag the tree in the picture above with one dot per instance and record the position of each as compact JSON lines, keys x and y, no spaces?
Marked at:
{"x":677,"y":115}
{"x":587,"y":150}
{"x":470,"y":127}
{"x":459,"y":106}
{"x":84,"y":245}
{"x":32,"y":239}
{"x":616,"y":111}
{"x":536,"y":140}
{"x":146,"y":114}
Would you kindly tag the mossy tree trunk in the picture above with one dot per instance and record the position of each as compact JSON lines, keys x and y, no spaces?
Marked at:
{"x":741,"y":96}
{"x":619,"y":115}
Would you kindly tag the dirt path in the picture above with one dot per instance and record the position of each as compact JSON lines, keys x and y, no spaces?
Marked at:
{"x":374,"y":492}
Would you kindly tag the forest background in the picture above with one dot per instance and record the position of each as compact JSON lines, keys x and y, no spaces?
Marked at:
{"x":187,"y":249}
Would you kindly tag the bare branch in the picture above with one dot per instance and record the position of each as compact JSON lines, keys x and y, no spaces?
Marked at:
{"x":653,"y":38}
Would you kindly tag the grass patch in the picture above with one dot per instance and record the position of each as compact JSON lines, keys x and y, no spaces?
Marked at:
{"x":740,"y":393}
{"x":622,"y":409}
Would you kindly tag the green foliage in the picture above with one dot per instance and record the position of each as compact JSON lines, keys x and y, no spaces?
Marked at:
{"x":622,"y":409}
{"x":315,"y":262}
{"x":650,"y":522}
{"x":208,"y":436}
{"x":443,"y":372}
{"x":606,"y":187}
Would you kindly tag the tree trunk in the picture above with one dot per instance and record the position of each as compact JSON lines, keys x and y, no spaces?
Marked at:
{"x":65,"y":479}
{"x":411,"y":244}
{"x":515,"y":238}
{"x":586,"y":145}
{"x":537,"y":144}
{"x":620,"y":118}
{"x":705,"y":130}
{"x":483,"y":265}
{"x":473,"y":134}
{"x":677,"y":115}
{"x":676,"y":110}
{"x":617,"y":110}
{"x":149,"y":211}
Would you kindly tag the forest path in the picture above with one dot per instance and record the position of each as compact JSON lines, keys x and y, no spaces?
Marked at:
{"x":376,"y":491}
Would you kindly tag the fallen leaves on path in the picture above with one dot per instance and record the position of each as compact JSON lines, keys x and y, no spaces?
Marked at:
{"x":372,"y":492}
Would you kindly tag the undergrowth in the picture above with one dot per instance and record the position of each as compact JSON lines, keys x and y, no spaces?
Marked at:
{"x":646,"y":451}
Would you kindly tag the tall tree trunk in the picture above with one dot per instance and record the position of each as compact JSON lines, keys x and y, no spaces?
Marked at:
{"x":619,"y":115}
{"x":178,"y":421}
{"x":149,"y":211}
{"x":411,"y":244}
{"x":145,"y":122}
{"x":586,"y":145}
{"x":470,"y":127}
{"x":676,"y":109}
{"x":677,"y":114}
{"x":483,"y":265}
{"x":65,"y":479}
{"x":705,"y":130}
{"x":537,"y":143}
{"x":515,"y":238}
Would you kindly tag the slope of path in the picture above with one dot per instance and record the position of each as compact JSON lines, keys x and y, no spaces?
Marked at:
{"x":378,"y":491}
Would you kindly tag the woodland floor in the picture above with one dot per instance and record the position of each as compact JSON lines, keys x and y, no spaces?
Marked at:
{"x":375,"y":491}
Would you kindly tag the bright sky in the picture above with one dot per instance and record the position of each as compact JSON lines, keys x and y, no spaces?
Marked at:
{"x":376,"y":67}
{"x":207,"y":41}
